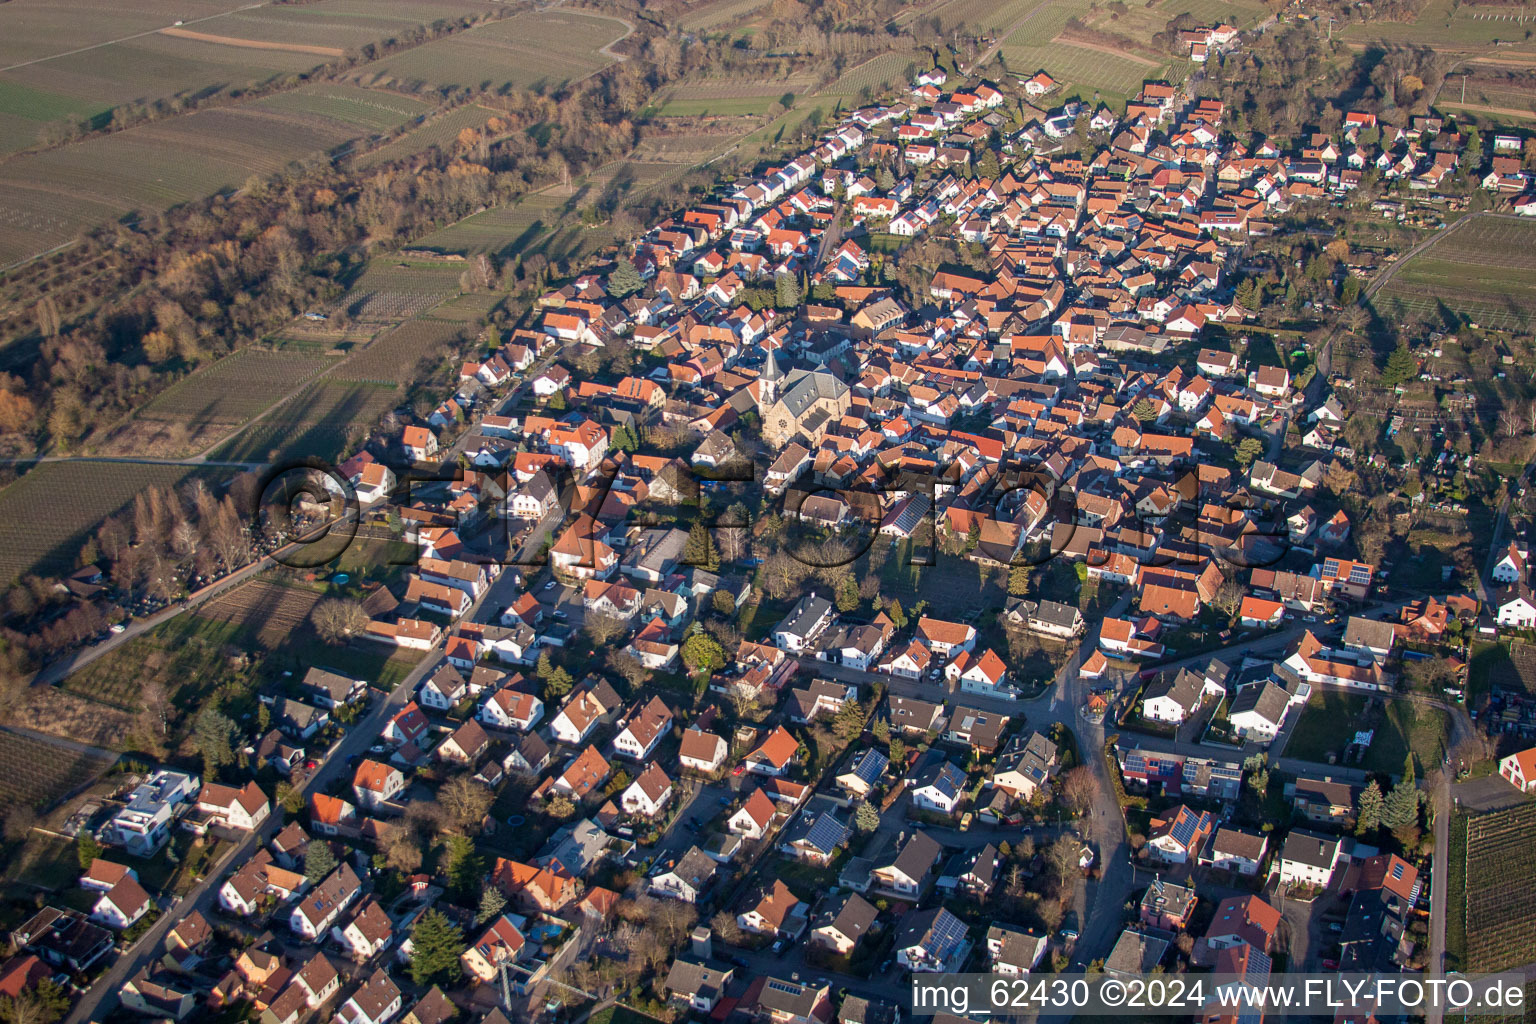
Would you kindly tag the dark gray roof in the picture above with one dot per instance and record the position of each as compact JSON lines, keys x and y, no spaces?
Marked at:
{"x":850,"y":914}
{"x":1310,"y":848}
{"x":1266,"y":699}
{"x":805,"y":614}
{"x":803,"y":388}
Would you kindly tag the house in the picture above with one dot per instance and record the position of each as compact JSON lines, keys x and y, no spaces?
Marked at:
{"x":583,"y":774}
{"x":686,"y":879}
{"x":864,"y":772}
{"x":1167,"y":906}
{"x":1258,"y":711}
{"x":1175,"y":698}
{"x":420,"y":443}
{"x":64,"y":938}
{"x":972,"y":873}
{"x":1177,"y":839}
{"x":774,"y":755}
{"x":582,"y":711}
{"x":375,"y":784}
{"x":124,"y":904}
{"x":1236,"y":850}
{"x":806,"y":621}
{"x":754,"y":818}
{"x":1135,"y":953}
{"x":376,"y":1001}
{"x":1243,"y":920}
{"x":443,"y":690}
{"x":909,"y":716}
{"x":545,"y":888}
{"x":700,"y":985}
{"x":648,"y":794}
{"x":143,"y":824}
{"x":509,"y":708}
{"x":1373,"y":637}
{"x":1516,"y":606}
{"x":1323,"y":800}
{"x":643,"y":729}
{"x":777,"y":1001}
{"x":464,"y":745}
{"x":501,"y":941}
{"x":945,"y":638}
{"x":984,"y":674}
{"x":332,"y":690}
{"x":907,"y":873}
{"x":977,"y":729}
{"x":433,"y":1008}
{"x":702,"y":751}
{"x":1519,"y":770}
{"x":1307,"y":858}
{"x":104,"y":874}
{"x":1013,"y":951}
{"x":815,"y":837}
{"x":1514,"y":566}
{"x":1051,"y":618}
{"x":939,"y":787}
{"x":1024,"y":767}
{"x":367,"y":935}
{"x":932,"y":941}
{"x":408,"y":726}
{"x":319,"y":910}
{"x":773,"y":910}
{"x":162,"y":996}
{"x":841,"y":922}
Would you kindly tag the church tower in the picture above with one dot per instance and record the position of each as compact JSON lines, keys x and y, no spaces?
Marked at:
{"x":768,"y":382}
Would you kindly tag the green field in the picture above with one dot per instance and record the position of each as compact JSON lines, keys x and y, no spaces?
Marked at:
{"x":1449,"y":24}
{"x":1329,"y":720}
{"x":536,"y":49}
{"x":1483,"y":270}
{"x":1083,"y":71}
{"x":697,"y":107}
{"x":546,"y":222}
{"x":322,"y":420}
{"x":47,"y":514}
{"x":235,"y":388}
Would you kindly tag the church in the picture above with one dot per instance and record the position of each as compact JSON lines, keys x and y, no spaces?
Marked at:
{"x":798,"y":403}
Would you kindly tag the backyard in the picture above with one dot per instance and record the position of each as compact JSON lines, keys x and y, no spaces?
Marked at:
{"x":1330,"y":719}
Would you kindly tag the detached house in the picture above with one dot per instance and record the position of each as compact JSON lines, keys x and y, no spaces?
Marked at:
{"x":643,"y":729}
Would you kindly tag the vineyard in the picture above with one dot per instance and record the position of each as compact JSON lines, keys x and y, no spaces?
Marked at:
{"x":34,"y":773}
{"x":546,"y":48}
{"x":267,"y":613}
{"x":1500,"y":877}
{"x":235,"y":388}
{"x":1481,"y":270}
{"x":403,"y":355}
{"x":46,"y":515}
{"x":327,"y":419}
{"x":392,"y":290}
{"x":439,"y":131}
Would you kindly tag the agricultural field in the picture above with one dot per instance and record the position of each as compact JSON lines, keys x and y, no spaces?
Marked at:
{"x":24,"y":112}
{"x":437,"y":131}
{"x":726,"y":16}
{"x":1480,"y":270}
{"x":469,"y":309}
{"x":1449,"y":25}
{"x":668,"y":144}
{"x":267,"y":610}
{"x":728,"y":96}
{"x":1143,"y":22}
{"x":34,"y":773}
{"x":403,"y":355}
{"x":326,"y":419}
{"x":200,"y":408}
{"x":1113,"y":76}
{"x":393,"y":288}
{"x":1500,"y":873}
{"x":46,"y":515}
{"x":48,"y":198}
{"x":536,"y":49}
{"x":547,"y":221}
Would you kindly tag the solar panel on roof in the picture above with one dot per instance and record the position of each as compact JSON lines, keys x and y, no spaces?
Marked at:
{"x":1184,"y":828}
{"x":946,"y":935}
{"x":1259,"y":966}
{"x":783,"y":986}
{"x":826,"y":833}
{"x":1397,"y":870}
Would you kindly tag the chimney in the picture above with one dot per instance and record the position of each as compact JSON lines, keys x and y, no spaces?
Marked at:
{"x":703,"y":946}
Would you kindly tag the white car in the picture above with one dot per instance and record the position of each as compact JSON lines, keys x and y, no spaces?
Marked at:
{"x":550,"y":585}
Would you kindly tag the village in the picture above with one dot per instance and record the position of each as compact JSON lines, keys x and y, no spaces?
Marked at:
{"x":1038,"y":643}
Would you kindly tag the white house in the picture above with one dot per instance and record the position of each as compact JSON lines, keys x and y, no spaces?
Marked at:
{"x":377,"y":1001}
{"x":511,"y":709}
{"x":1517,"y":607}
{"x":444,"y":690}
{"x":368,"y":933}
{"x":314,"y":916}
{"x":754,"y":818}
{"x":125,"y":904}
{"x":1519,"y":770}
{"x":702,"y":751}
{"x":648,"y":794}
{"x":242,"y":809}
{"x":375,"y":784}
{"x":940,"y":788}
{"x":1308,"y":859}
{"x":1232,"y":849}
{"x":1513,"y":566}
{"x":643,"y":730}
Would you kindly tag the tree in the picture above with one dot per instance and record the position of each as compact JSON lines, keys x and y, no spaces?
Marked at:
{"x":702,"y":653}
{"x":465,"y":800}
{"x":44,"y":1003}
{"x":1062,"y":857}
{"x":560,"y":808}
{"x":699,"y":549}
{"x":847,"y":594}
{"x":1248,"y":449}
{"x":1368,"y":810}
{"x":866,"y":818}
{"x":436,"y":945}
{"x":786,"y":292}
{"x":338,"y":620}
{"x":743,"y":699}
{"x":1144,"y":411}
{"x":1018,"y":580}
{"x":558,"y":685}
{"x":849,"y":721}
{"x":87,"y":849}
{"x":723,"y":603}
{"x":214,"y":735}
{"x":463,"y":866}
{"x":896,"y":615}
{"x":492,"y":903}
{"x":1400,"y":808}
{"x":1258,"y":773}
{"x":604,"y":629}
{"x":624,"y":280}
{"x":1077,"y":788}
{"x":319,"y":861}
{"x":1401,"y":367}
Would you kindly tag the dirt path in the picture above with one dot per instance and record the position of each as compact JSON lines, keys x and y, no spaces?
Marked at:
{"x":1067,"y":39}
{"x":1478,"y":109}
{"x":253,"y":44}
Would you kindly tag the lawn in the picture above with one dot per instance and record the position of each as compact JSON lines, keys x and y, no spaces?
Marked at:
{"x":1329,"y":721}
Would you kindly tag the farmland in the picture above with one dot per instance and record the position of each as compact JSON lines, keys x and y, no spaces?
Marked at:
{"x":47,"y":514}
{"x":1500,"y":919}
{"x":1447,"y":25}
{"x":1115,"y":76}
{"x":393,"y":288}
{"x":1481,"y":270}
{"x":269,"y":611}
{"x":534,"y":49}
{"x":322,"y":420}
{"x":437,"y":131}
{"x":401,"y":355}
{"x":34,"y":773}
{"x":47,"y":198}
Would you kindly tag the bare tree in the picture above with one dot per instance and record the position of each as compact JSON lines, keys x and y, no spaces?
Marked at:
{"x":1077,"y":788}
{"x":628,"y":667}
{"x":338,"y":620}
{"x":604,"y":629}
{"x":743,"y":699}
{"x":465,"y":800}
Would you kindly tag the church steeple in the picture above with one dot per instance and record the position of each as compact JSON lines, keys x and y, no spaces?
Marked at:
{"x":769,"y":380}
